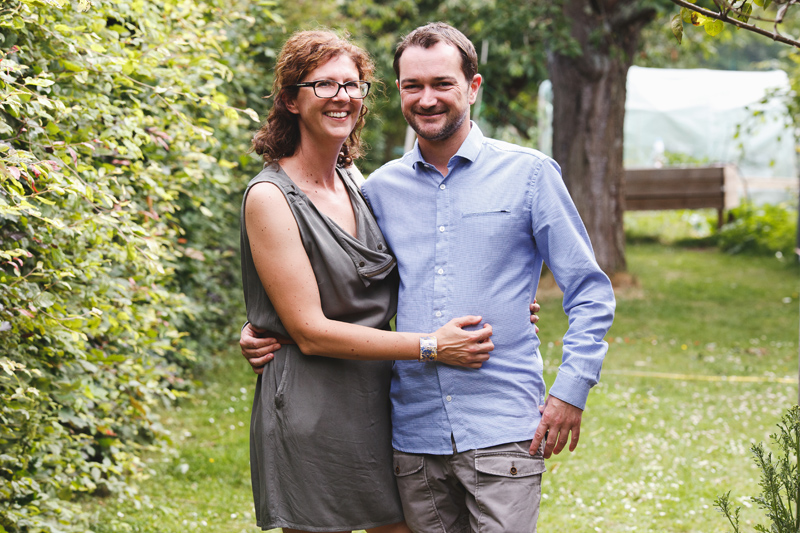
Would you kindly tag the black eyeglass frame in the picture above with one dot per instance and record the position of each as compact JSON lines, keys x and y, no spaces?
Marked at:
{"x":313,"y":85}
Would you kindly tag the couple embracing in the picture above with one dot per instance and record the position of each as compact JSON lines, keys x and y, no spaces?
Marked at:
{"x":443,"y":425}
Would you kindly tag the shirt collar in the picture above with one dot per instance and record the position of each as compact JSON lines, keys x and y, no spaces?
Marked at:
{"x":469,"y":148}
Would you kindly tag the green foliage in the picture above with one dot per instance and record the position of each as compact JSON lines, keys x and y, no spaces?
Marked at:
{"x":121,"y":128}
{"x":780,"y":480}
{"x":766,"y":229}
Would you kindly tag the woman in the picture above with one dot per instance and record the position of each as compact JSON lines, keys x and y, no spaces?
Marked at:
{"x":317,"y":269}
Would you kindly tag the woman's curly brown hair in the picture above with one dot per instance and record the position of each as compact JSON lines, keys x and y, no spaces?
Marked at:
{"x":301,"y":54}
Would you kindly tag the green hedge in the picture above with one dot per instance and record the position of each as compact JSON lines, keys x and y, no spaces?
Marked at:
{"x":121,"y":162}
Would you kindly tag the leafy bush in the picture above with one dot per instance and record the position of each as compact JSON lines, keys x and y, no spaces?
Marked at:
{"x":118,"y":147}
{"x":765,"y":229}
{"x":780,"y":480}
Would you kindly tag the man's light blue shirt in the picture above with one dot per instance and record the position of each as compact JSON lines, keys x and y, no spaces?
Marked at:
{"x":473,"y":243}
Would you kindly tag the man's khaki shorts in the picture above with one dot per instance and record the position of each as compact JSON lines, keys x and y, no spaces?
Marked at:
{"x":492,"y":490}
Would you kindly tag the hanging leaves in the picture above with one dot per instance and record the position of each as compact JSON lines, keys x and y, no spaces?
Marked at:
{"x":677,"y":27}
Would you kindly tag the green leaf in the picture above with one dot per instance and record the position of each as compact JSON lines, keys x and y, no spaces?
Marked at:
{"x":698,"y":19}
{"x":129,"y":66}
{"x":677,"y":27}
{"x":745,"y":11}
{"x":714,"y":27}
{"x":38,"y":82}
{"x":44,"y":299}
{"x":73,"y":67}
{"x":45,"y":201}
{"x":229,"y":112}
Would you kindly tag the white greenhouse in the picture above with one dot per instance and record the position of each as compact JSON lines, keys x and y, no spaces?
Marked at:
{"x":706,"y":117}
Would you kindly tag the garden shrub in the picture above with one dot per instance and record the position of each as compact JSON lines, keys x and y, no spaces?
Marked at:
{"x":780,"y":480}
{"x":769,"y":229}
{"x":119,"y":161}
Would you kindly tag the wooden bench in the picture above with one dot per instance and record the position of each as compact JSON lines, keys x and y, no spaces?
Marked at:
{"x":714,"y":187}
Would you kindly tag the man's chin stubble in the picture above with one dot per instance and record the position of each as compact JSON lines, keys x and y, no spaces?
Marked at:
{"x":447,"y":130}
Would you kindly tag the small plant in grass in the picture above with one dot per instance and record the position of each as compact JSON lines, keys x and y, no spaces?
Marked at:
{"x":780,"y":480}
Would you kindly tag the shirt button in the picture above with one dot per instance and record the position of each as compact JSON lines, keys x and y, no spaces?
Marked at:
{"x":449,"y":398}
{"x":440,"y":271}
{"x":441,"y":228}
{"x":443,"y":186}
{"x":361,"y":263}
{"x":438,"y":313}
{"x":380,"y":247}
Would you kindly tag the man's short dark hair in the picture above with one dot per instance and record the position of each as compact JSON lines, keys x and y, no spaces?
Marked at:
{"x":436,"y":32}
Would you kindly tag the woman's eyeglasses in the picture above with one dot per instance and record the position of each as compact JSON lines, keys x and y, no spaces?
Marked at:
{"x":329,"y":88}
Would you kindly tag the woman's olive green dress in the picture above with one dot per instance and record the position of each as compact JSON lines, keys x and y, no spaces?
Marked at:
{"x":320,"y":431}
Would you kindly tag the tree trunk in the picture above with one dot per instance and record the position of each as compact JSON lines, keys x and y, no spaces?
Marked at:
{"x":589,"y":113}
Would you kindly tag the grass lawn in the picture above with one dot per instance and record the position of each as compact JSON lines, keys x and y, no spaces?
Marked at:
{"x":664,"y":433}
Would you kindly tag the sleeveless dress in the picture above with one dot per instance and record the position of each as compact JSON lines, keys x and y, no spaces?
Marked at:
{"x":320,"y":430}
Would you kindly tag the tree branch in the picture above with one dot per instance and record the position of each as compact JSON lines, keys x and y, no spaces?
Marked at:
{"x":738,"y":11}
{"x":738,"y":23}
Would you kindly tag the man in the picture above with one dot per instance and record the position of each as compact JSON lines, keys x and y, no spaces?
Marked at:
{"x":471,"y":221}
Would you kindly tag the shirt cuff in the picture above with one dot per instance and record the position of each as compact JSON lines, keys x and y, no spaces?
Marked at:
{"x":571,"y":389}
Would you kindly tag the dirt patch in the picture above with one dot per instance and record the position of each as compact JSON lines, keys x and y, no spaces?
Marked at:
{"x":626,"y":286}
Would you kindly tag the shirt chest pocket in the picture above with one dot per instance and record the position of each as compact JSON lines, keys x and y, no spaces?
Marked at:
{"x":493,"y":227}
{"x":487,"y":212}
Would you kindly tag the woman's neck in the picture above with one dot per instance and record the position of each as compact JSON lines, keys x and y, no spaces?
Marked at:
{"x":313,"y":166}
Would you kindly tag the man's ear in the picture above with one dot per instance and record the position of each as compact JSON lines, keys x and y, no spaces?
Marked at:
{"x":474,"y":85}
{"x":397,"y":82}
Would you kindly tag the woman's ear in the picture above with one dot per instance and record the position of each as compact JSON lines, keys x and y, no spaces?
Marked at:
{"x":290,"y":104}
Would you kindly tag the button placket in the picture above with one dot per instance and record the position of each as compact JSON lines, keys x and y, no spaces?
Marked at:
{"x":443,"y":220}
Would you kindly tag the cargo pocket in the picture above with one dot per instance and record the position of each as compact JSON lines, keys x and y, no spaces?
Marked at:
{"x":419,"y":504}
{"x":508,"y":490}
{"x":406,"y":464}
{"x":508,"y":464}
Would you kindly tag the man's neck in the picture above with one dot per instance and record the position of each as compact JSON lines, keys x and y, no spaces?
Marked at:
{"x":439,"y":153}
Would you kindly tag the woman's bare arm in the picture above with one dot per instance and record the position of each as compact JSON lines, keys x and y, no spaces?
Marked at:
{"x":289,"y":280}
